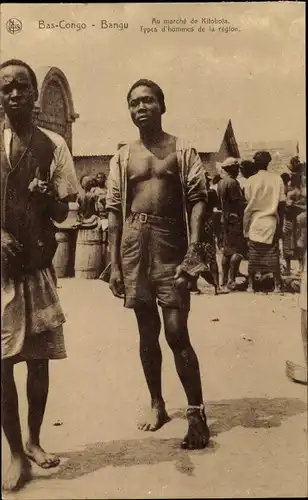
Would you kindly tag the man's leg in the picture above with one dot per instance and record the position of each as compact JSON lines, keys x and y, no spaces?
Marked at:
{"x":37,"y":392}
{"x":225,"y":264}
{"x":251,"y":277}
{"x":288,"y":265}
{"x":277,"y":276}
{"x":234,"y":269}
{"x":215,"y":274}
{"x":19,"y":470}
{"x":151,"y":358}
{"x":187,"y":366}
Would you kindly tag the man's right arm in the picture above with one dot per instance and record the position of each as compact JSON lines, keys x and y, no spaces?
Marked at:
{"x":115,"y":226}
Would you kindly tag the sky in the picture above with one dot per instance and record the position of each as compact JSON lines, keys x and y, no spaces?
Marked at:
{"x":255,"y":76}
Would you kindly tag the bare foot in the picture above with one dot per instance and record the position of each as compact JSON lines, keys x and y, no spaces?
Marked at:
{"x":154,"y":419}
{"x":40,"y":457}
{"x":296,"y":373}
{"x":198,"y":434}
{"x":250,"y":289}
{"x":18,"y":473}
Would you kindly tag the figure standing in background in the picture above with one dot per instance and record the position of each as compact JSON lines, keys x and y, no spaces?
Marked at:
{"x":265,"y":197}
{"x":100,"y":192}
{"x":295,"y":204}
{"x":232,"y":205}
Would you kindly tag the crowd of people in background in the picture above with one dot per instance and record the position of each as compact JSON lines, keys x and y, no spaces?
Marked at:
{"x":258,"y":216}
{"x":92,"y":199}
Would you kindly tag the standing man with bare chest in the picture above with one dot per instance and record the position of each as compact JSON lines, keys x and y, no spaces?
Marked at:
{"x":157,"y":201}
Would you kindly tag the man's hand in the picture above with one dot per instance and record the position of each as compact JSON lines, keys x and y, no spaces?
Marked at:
{"x":10,"y":247}
{"x":181,"y":280}
{"x":116,"y":283}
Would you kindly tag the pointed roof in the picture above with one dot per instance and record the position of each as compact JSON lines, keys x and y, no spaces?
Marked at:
{"x":207,"y":134}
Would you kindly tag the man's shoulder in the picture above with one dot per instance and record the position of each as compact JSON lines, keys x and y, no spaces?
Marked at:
{"x":57,"y":139}
{"x":184,"y":144}
{"x":122,"y":153}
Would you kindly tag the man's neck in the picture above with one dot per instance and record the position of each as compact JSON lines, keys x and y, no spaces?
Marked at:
{"x":20,"y":127}
{"x":152,"y":136}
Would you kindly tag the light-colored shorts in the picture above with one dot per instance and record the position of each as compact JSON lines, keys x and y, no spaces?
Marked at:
{"x":151,"y":249}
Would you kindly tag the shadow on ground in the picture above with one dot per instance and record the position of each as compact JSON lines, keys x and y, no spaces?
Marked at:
{"x":255,"y":413}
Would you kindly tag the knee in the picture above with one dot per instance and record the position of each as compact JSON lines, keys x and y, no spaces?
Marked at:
{"x":177,"y":340}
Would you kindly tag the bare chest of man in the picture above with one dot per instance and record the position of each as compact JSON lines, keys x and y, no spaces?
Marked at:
{"x":154,"y":183}
{"x":145,"y":166}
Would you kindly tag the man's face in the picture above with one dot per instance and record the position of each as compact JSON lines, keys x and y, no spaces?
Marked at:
{"x":100,"y":180}
{"x":16,"y":92}
{"x":144,"y":107}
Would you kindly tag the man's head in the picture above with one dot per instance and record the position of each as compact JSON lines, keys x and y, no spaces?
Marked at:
{"x":262,"y":160}
{"x":18,"y":89}
{"x":85,"y":181}
{"x":247,"y":168}
{"x":231,"y":166}
{"x":146,"y":102}
{"x":101,"y":179}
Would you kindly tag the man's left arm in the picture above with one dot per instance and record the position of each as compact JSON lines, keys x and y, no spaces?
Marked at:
{"x":64,"y":183}
{"x":196,"y":197}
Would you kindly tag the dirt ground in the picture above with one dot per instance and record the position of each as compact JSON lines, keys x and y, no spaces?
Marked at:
{"x":257,"y":416}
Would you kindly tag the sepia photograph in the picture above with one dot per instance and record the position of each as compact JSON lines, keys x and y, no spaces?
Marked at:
{"x":153,"y":250}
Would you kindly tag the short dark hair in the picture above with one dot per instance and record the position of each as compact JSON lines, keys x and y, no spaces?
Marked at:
{"x":152,"y":85}
{"x":247,"y":164}
{"x":262,"y":159}
{"x":18,"y":62}
{"x":285,"y":176}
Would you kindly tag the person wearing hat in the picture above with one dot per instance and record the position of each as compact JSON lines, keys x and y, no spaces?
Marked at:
{"x":265,"y":197}
{"x":232,"y":205}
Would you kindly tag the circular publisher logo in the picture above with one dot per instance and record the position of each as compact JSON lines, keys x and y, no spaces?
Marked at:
{"x":14,"y":26}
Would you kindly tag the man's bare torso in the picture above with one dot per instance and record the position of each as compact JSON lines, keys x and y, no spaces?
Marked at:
{"x":153,"y":178}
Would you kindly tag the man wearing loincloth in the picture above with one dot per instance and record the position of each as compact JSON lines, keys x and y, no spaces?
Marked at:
{"x":232,"y":204}
{"x":157,"y":200}
{"x":265,"y":197}
{"x":37,"y":181}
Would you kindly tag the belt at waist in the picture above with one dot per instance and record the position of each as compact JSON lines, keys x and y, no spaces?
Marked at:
{"x":144,"y":218}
